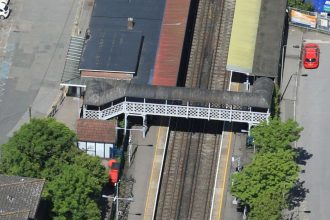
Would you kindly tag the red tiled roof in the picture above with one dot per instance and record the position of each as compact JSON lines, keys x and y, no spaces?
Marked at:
{"x":96,"y":130}
{"x":171,"y":42}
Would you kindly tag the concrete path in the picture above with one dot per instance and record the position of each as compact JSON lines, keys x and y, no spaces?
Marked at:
{"x":146,"y":170}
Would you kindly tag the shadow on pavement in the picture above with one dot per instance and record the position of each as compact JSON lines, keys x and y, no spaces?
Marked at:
{"x":297,"y":195}
{"x":302,"y":156}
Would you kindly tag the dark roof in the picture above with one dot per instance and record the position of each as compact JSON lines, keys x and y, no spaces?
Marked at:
{"x":112,"y":15}
{"x":19,"y":195}
{"x":96,"y":130}
{"x":269,"y":37}
{"x":171,"y":43}
{"x":101,"y":92}
{"x":111,"y":51}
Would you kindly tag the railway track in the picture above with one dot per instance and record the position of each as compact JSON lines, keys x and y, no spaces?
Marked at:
{"x":189,"y":169}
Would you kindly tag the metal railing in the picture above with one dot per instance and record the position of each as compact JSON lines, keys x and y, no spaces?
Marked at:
{"x":171,"y":110}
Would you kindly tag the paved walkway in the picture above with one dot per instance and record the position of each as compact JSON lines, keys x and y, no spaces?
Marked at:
{"x":146,"y":170}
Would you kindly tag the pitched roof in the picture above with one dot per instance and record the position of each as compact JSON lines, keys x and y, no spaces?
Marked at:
{"x":96,"y":130}
{"x":19,"y":196}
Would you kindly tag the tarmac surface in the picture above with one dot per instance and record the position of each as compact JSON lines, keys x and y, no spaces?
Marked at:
{"x":305,"y":100}
{"x":33,"y":46}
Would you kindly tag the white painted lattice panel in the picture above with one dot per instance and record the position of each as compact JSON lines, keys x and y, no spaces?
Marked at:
{"x":171,"y":110}
{"x":224,"y":115}
{"x":113,"y":110}
{"x":177,"y":111}
{"x":182,"y":110}
{"x":204,"y":113}
{"x":150,"y":109}
{"x":160,"y":109}
{"x":91,"y":114}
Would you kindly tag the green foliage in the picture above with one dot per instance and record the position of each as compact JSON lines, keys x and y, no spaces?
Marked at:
{"x":267,"y":206}
{"x":72,"y":194}
{"x":275,"y":135}
{"x":268,"y":172}
{"x":276,"y":102}
{"x":36,"y":146}
{"x":45,"y":148}
{"x":300,"y":4}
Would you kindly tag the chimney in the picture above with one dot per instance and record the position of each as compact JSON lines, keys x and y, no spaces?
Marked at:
{"x":130,"y":23}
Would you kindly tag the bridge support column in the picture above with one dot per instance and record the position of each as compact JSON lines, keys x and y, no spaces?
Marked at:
{"x":84,"y":111}
{"x":144,"y":129}
{"x":125,"y":124}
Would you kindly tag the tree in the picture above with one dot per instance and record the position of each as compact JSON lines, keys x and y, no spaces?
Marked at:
{"x":301,"y":4}
{"x":267,"y":206}
{"x":45,"y":148}
{"x":37,"y":146}
{"x":275,"y":135}
{"x":72,"y":194}
{"x":268,"y":173}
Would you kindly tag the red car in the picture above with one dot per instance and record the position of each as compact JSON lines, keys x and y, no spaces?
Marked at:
{"x":311,"y":56}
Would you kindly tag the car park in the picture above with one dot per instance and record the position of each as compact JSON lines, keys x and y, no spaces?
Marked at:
{"x":4,"y":10}
{"x":311,"y":55}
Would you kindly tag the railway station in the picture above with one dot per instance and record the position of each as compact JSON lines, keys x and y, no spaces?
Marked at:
{"x":189,"y":63}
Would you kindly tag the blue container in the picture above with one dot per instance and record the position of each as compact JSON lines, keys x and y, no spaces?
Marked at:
{"x":320,"y":5}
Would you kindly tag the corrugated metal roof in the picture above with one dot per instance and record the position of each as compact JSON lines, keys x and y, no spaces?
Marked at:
{"x":171,"y":42}
{"x":96,"y":130}
{"x":243,"y":36}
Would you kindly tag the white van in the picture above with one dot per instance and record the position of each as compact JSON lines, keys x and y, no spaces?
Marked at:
{"x":4,"y":10}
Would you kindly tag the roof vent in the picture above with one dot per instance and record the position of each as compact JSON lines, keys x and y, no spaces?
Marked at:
{"x":130,"y":23}
{"x":10,"y":198}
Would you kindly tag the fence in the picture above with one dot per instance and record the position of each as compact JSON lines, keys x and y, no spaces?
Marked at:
{"x":310,"y":20}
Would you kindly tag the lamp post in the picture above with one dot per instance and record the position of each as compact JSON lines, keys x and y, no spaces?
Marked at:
{"x":283,"y":56}
{"x":286,"y":87}
{"x":116,"y":198}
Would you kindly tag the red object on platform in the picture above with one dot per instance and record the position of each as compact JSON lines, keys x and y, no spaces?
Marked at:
{"x":113,"y":171}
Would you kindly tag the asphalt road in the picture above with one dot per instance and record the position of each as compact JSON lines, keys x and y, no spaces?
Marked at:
{"x":313,"y":114}
{"x":33,"y":45}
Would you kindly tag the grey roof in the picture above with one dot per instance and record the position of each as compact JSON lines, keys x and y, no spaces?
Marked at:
{"x":110,"y":50}
{"x":19,"y":195}
{"x":269,"y":38}
{"x":112,"y":15}
{"x":101,"y":92}
{"x":17,"y":215}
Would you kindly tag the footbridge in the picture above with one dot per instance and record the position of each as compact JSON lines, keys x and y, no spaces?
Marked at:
{"x":107,"y":99}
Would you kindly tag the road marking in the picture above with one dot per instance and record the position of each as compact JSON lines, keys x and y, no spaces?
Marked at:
{"x":152,"y":172}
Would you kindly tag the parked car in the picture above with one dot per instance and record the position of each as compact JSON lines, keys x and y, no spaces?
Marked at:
{"x":311,"y":56}
{"x":4,"y":10}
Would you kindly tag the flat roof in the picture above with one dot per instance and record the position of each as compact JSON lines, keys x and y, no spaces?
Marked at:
{"x":269,"y":38}
{"x":110,"y":50}
{"x":243,"y":36}
{"x":147,"y":16}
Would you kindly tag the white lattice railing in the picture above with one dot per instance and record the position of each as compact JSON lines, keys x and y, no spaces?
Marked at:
{"x":142,"y":108}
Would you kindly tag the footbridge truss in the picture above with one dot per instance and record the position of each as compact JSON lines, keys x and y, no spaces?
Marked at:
{"x":105,"y":100}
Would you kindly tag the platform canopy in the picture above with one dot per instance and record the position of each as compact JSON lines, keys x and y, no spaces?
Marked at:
{"x":243,"y":36}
